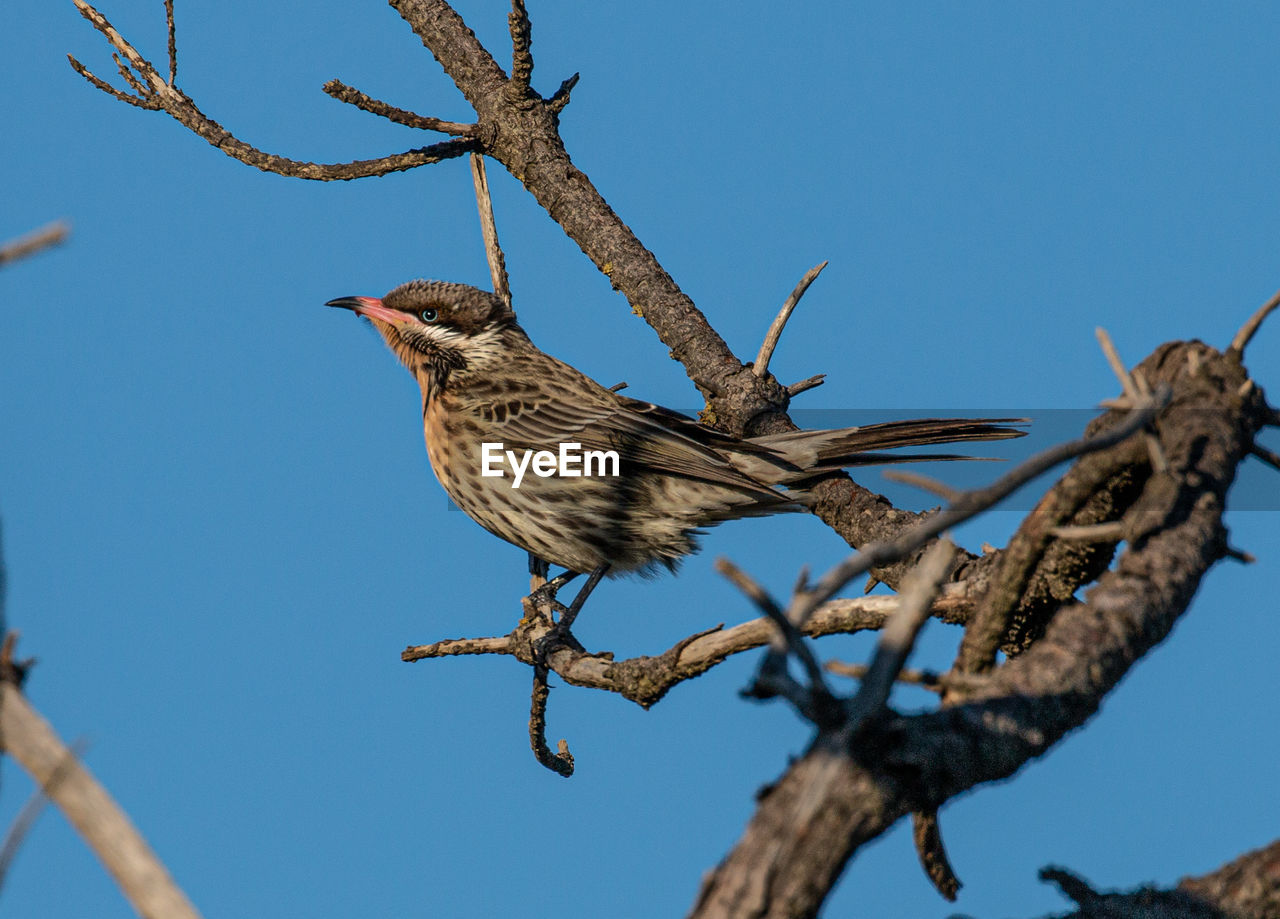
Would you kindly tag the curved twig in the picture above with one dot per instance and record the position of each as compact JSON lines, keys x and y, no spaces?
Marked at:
{"x":560,"y":762}
{"x":51,"y":234}
{"x":156,"y":93}
{"x":352,"y":96}
{"x":109,"y":832}
{"x":761,"y":365}
{"x":1250,"y":328}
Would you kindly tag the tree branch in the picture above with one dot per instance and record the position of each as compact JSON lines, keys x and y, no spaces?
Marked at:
{"x":851,"y":786}
{"x":352,"y":96}
{"x":51,"y":234}
{"x":158,"y":94}
{"x":105,"y":827}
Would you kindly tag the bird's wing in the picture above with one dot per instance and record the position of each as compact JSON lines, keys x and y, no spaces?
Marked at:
{"x":647,"y":437}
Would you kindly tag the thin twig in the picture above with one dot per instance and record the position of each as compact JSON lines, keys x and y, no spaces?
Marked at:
{"x":180,"y":106}
{"x":969,"y":504}
{"x":562,"y":761}
{"x":924,"y":483}
{"x":1071,"y":885}
{"x":521,"y":40}
{"x":50,"y":234}
{"x":1117,"y":365}
{"x":148,"y":102}
{"x":1250,"y":328}
{"x":173,"y":43}
{"x":1110,"y":531}
{"x":1241,"y":556}
{"x":618,"y":387}
{"x":489,"y":230}
{"x":926,"y":834}
{"x":560,"y":98}
{"x":898,"y":637}
{"x":31,"y":811}
{"x":789,"y":637}
{"x":352,"y":96}
{"x":1270,"y":457}
{"x":806,"y":384}
{"x":761,"y":365}
{"x":926,"y":679}
{"x":136,"y":84}
{"x":105,"y":827}
{"x":1135,"y":390}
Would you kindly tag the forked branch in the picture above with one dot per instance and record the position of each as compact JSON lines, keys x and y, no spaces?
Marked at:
{"x":151,"y":91}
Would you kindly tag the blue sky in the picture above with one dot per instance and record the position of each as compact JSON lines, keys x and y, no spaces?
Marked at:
{"x":221,"y":528}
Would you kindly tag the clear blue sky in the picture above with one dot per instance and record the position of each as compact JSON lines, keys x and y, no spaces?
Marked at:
{"x":220,"y":524}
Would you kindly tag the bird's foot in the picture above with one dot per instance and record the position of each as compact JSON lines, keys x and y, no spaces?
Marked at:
{"x":560,"y":632}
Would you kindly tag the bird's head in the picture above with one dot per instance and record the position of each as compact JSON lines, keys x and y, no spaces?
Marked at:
{"x":437,"y":328}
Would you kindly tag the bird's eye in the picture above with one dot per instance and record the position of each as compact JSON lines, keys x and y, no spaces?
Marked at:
{"x":429,"y":315}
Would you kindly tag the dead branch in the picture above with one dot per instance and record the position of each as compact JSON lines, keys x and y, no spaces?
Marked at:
{"x":105,"y":827}
{"x":926,"y":835}
{"x":352,"y":96}
{"x":51,"y":234}
{"x":151,"y":91}
{"x":761,"y":365}
{"x":31,"y":811}
{"x":645,"y":680}
{"x":1250,"y":328}
{"x":850,"y":787}
{"x":899,"y":634}
{"x":1245,"y":887}
{"x":489,"y":230}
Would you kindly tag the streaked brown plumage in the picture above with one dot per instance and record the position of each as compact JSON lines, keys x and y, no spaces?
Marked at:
{"x":483,"y":380}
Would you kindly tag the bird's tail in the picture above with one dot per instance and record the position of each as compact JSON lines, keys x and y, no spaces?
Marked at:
{"x":815,"y":452}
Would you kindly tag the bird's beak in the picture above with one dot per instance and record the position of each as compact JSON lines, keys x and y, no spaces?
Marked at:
{"x":368,"y":306}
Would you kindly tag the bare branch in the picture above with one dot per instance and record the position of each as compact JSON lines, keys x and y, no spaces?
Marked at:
{"x":144,"y":103}
{"x":1117,"y":365}
{"x":1135,"y":390}
{"x":560,"y":98}
{"x":173,"y":43}
{"x":788,"y":638}
{"x":1250,"y":328}
{"x":86,"y":804}
{"x":847,"y":790}
{"x":974,"y":502}
{"x":899,"y":634}
{"x":761,"y":365}
{"x":1246,"y":886}
{"x":1110,"y":531}
{"x":352,"y":96}
{"x":562,"y":761}
{"x":927,"y":837}
{"x":31,"y":811}
{"x":1270,"y":457}
{"x":50,"y":234}
{"x":521,"y":41}
{"x":159,"y":94}
{"x":1074,"y":887}
{"x":924,"y":483}
{"x":129,"y":78}
{"x":645,"y":680}
{"x":489,"y":230}
{"x":806,"y":384}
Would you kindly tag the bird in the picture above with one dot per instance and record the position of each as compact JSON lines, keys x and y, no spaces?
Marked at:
{"x":500,"y":416}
